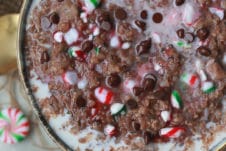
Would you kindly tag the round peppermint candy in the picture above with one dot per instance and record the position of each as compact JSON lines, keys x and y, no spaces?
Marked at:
{"x":14,"y":126}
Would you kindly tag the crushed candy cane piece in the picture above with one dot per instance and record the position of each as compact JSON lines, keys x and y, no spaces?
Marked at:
{"x":208,"y":87}
{"x":110,"y":130}
{"x":115,"y":41}
{"x":171,"y":132}
{"x":82,"y":84}
{"x":190,"y":79}
{"x":58,"y":36}
{"x":165,"y":115}
{"x":70,"y":77}
{"x":103,"y":95}
{"x":126,"y":45}
{"x":76,"y":52}
{"x":118,"y":108}
{"x":96,"y":31}
{"x":176,"y":100}
{"x":189,"y":14}
{"x":156,"y":38}
{"x":91,"y":5}
{"x":71,"y":36}
{"x":129,"y":84}
{"x":217,"y":11}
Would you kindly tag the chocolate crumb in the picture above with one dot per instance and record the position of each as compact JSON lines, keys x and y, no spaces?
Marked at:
{"x":44,"y":57}
{"x":131,"y":104}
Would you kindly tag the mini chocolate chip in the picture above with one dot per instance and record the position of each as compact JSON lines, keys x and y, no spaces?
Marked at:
{"x":113,"y":80}
{"x":80,"y":102}
{"x":204,"y":51}
{"x":143,"y":46}
{"x":149,"y":82}
{"x":87,"y":46}
{"x":44,"y":57}
{"x":54,"y":18}
{"x":189,"y":37}
{"x":131,"y":104}
{"x":120,"y":14}
{"x":179,"y":2}
{"x":202,"y":33}
{"x":157,"y":18}
{"x":137,"y":91}
{"x":105,"y":25}
{"x":135,"y":126}
{"x":144,"y":14}
{"x":140,"y":24}
{"x":148,"y":136}
{"x":180,"y":33}
{"x":45,"y":23}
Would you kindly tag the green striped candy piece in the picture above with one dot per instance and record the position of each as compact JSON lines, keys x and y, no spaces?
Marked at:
{"x":117,"y":109}
{"x":208,"y":87}
{"x":176,"y":100}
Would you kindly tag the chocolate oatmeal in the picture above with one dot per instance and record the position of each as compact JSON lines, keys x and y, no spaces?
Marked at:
{"x":147,"y":69}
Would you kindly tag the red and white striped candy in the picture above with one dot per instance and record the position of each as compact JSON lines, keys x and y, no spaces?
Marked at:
{"x":103,"y":95}
{"x":14,"y":126}
{"x":165,"y":115}
{"x":217,"y":11}
{"x":58,"y":36}
{"x":171,"y":132}
{"x":110,"y":130}
{"x":76,"y":52}
{"x":70,"y":77}
{"x":71,"y":36}
{"x":190,"y":79}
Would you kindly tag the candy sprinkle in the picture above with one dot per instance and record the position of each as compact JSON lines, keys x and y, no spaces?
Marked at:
{"x":103,"y":95}
{"x":171,"y":132}
{"x":176,"y":100}
{"x":208,"y":87}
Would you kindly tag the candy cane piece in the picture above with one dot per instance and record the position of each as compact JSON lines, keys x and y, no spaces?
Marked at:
{"x":103,"y":95}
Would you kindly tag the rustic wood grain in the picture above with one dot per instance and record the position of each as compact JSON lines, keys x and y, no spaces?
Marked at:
{"x":10,"y":6}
